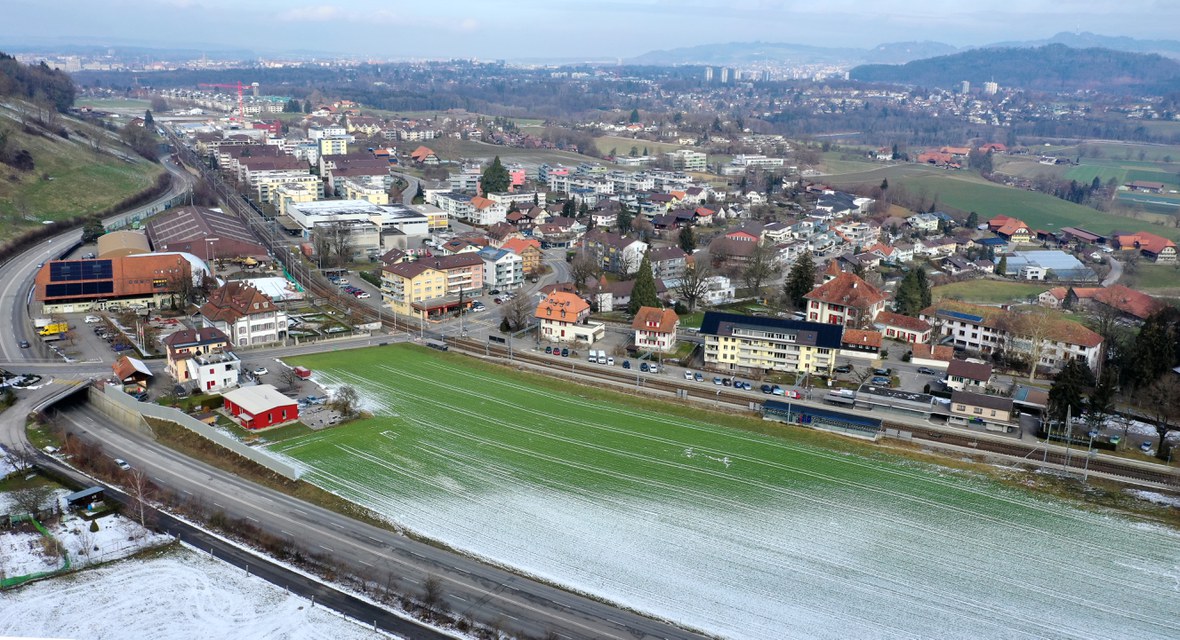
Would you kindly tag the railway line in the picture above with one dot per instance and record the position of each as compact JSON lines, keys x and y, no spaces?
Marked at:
{"x":1034,"y":453}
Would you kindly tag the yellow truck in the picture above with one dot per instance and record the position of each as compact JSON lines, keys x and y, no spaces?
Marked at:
{"x":53,"y":328}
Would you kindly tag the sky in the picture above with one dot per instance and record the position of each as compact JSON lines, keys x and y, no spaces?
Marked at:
{"x":557,"y":29}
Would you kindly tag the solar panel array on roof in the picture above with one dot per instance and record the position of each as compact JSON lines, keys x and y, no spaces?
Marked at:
{"x":79,"y":289}
{"x":961,"y":316}
{"x":73,"y":270}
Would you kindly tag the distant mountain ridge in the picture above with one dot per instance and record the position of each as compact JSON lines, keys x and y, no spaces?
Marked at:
{"x":1053,"y":67}
{"x":737,"y":53}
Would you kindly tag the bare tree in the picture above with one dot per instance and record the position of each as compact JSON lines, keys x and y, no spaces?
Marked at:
{"x":517,"y":312}
{"x":760,"y":267}
{"x":582,"y":268}
{"x":31,"y":499}
{"x":1030,"y":331}
{"x":346,"y":401}
{"x":141,"y":492}
{"x":1160,"y":401}
{"x":289,"y":379}
{"x":21,"y":459}
{"x":694,"y":284}
{"x":432,"y":594}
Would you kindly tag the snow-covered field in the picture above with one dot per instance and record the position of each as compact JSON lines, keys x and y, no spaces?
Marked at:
{"x":734,"y":533}
{"x":182,"y":595}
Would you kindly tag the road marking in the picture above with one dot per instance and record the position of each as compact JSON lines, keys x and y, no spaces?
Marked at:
{"x":326,"y":549}
{"x":411,"y":580}
{"x":218,"y":506}
{"x":250,"y":518}
{"x":299,"y":511}
{"x":373,"y":539}
{"x":364,"y":563}
{"x":286,"y":533}
{"x":510,"y":616}
{"x":459,"y":598}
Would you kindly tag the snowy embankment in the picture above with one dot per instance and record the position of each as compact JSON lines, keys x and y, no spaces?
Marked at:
{"x":180,"y":595}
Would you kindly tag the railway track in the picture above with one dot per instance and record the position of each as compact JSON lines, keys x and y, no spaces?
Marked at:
{"x":1033,"y":453}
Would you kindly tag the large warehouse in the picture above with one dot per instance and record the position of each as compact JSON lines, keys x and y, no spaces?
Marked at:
{"x":72,"y":286}
{"x":204,"y":233}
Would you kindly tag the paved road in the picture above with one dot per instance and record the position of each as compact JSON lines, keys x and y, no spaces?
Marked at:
{"x":1116,"y":272}
{"x":469,"y":587}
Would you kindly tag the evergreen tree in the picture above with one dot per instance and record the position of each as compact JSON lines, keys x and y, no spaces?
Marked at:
{"x":885,"y":185}
{"x":634,"y":116}
{"x":1002,"y":267}
{"x":307,"y":106}
{"x":567,"y":208}
{"x":1154,"y":349}
{"x":801,"y":280}
{"x":913,"y":294}
{"x":148,"y":120}
{"x":972,"y":220}
{"x":644,"y":293}
{"x":924,"y":294}
{"x":687,"y":240}
{"x":584,"y":209}
{"x":623,"y":220}
{"x":495,"y":178}
{"x":1068,"y":392}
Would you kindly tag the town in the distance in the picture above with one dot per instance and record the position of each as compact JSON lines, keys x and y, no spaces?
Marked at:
{"x":744,"y":341}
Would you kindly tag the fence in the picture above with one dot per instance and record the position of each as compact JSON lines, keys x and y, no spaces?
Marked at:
{"x":16,"y":581}
{"x":120,"y":406}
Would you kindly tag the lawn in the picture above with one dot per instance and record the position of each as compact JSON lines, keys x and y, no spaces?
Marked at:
{"x":989,"y":291}
{"x":968,"y":192}
{"x":750,"y":532}
{"x":623,"y":145}
{"x":482,"y":151}
{"x":1156,"y":278}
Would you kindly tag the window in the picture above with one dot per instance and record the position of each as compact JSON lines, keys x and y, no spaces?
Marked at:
{"x":977,"y":411}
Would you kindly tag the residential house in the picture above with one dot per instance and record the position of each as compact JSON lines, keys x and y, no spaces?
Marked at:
{"x":755,"y":345}
{"x":1052,"y":340}
{"x":616,"y":253}
{"x":957,"y":265}
{"x":858,"y":343}
{"x":846,"y":300}
{"x":993,"y":412}
{"x":423,"y":156}
{"x":502,"y":269}
{"x":1011,"y":229}
{"x":202,"y":357}
{"x":668,"y":263}
{"x":244,"y":314}
{"x":903,"y":328}
{"x":969,"y":375}
{"x":564,"y":317}
{"x":529,"y":251}
{"x":923,"y":222}
{"x":260,"y":406}
{"x":655,"y":329}
{"x":1119,"y":298}
{"x":1153,"y":247}
{"x":416,"y":288}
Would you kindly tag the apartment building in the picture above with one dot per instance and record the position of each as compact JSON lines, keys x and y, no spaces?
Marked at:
{"x":753,"y":345}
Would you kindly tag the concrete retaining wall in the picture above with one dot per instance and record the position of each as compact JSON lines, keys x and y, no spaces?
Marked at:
{"x":130,"y":412}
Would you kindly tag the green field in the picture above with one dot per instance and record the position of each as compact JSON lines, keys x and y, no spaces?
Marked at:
{"x":482,"y":151}
{"x":623,"y":145}
{"x":989,"y":291}
{"x":1163,"y":279}
{"x":70,"y":178}
{"x":753,"y":530}
{"x":968,"y":192}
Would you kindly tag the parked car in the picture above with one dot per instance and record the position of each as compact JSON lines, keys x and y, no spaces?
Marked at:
{"x":610,"y":361}
{"x":794,"y":394}
{"x":498,"y":300}
{"x":91,"y":319}
{"x":688,"y":375}
{"x":882,"y":372}
{"x":260,"y":371}
{"x":698,"y":377}
{"x":717,"y":380}
{"x":844,"y":368}
{"x":880,"y":381}
{"x":626,"y":364}
{"x":494,"y":292}
{"x":726,"y":381}
{"x":644,"y":367}
{"x":767,"y":389}
{"x":363,"y":295}
{"x":777,"y":390}
{"x":122,"y":464}
{"x":24,"y":344}
{"x":927,"y":371}
{"x":565,"y":352}
{"x":548,"y":349}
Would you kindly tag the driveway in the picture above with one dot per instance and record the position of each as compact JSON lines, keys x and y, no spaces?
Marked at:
{"x":1116,"y":272}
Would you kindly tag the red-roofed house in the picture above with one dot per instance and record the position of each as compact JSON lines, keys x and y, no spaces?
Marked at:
{"x":904,"y":328}
{"x":564,"y":317}
{"x":846,"y":299}
{"x":857,"y":343}
{"x":245,"y":314}
{"x":529,"y":251}
{"x":1150,"y":245}
{"x":423,"y":156}
{"x":655,"y":329}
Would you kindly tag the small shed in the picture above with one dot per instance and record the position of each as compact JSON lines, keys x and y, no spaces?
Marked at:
{"x":260,"y":406}
{"x":132,"y":373}
{"x":86,"y":499}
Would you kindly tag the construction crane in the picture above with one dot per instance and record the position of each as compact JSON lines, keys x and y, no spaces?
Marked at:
{"x":238,"y":86}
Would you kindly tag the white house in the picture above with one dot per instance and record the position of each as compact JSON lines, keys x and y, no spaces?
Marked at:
{"x":502,"y":269}
{"x":655,"y":329}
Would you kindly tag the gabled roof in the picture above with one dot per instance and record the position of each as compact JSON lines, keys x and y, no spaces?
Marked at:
{"x":236,"y":299}
{"x":980,"y":400}
{"x":655,"y":320}
{"x":126,"y":367}
{"x":520,"y":245}
{"x":258,"y":398}
{"x":859,"y":338}
{"x":563,"y":306}
{"x":186,"y":338}
{"x":849,"y":290}
{"x":891,"y":319}
{"x":978,"y":371}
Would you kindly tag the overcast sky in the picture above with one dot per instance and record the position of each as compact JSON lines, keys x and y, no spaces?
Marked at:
{"x":564,"y":28}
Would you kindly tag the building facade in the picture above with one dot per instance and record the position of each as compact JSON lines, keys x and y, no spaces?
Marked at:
{"x":759,"y":345}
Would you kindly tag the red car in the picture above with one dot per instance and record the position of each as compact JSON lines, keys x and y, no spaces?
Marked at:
{"x":497,"y":300}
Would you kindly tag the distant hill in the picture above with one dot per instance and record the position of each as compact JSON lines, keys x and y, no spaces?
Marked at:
{"x":1085,"y":40}
{"x":1054,"y":67}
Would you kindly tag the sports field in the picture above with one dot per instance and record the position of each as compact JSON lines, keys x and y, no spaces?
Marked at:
{"x":745,"y":533}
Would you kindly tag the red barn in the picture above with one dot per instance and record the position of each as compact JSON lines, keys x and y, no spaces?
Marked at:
{"x":260,"y":406}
